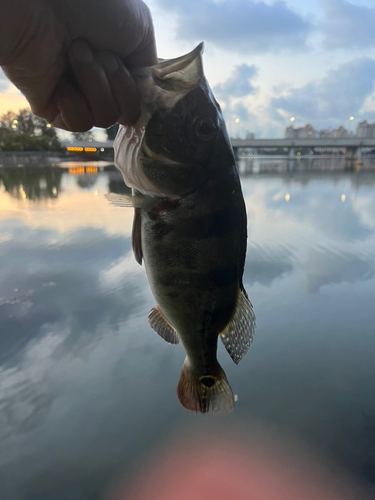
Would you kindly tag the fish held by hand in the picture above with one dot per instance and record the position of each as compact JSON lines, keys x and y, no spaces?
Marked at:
{"x":190,"y":227}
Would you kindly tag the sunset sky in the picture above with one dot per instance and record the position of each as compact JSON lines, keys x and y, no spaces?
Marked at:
{"x":268,"y":61}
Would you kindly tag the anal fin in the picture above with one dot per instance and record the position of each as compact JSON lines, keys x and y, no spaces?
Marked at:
{"x":162,"y":327}
{"x":238,"y":334}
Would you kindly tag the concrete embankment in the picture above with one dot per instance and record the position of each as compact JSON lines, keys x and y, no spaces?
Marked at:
{"x":23,"y":159}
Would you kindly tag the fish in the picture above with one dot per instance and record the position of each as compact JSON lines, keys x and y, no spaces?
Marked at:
{"x":190,"y":225}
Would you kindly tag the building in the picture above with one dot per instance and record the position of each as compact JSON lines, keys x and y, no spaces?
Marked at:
{"x":337,"y":133}
{"x":365,"y":130}
{"x":306,"y":132}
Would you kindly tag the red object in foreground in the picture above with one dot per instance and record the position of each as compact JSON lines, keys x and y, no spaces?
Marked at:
{"x":223,"y":469}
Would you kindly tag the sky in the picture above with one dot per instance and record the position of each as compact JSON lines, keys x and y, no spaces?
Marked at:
{"x":270,"y":60}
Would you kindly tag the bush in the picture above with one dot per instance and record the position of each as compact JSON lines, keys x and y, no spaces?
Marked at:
{"x":27,"y":132}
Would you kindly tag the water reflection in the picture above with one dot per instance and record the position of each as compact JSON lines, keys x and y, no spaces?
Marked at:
{"x":317,"y":163}
{"x":31,"y":183}
{"x":264,"y":265}
{"x":327,"y":266}
{"x":86,"y":387}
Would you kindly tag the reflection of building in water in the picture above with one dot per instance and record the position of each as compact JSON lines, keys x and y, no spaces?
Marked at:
{"x":365,"y":130}
{"x":305,"y":132}
{"x":32,"y":183}
{"x":336,"y":134}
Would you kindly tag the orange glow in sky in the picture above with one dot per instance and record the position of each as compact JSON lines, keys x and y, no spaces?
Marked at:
{"x":12,"y":100}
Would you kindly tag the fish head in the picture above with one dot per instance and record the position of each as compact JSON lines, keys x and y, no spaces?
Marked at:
{"x":171,"y":149}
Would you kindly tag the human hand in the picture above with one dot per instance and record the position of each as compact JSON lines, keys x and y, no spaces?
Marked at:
{"x":70,"y":57}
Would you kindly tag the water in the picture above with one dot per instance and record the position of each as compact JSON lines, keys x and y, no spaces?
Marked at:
{"x":87,"y":388}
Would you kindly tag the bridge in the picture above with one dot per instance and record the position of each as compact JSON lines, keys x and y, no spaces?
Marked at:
{"x":351,"y":147}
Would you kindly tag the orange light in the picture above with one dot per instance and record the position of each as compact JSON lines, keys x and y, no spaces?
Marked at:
{"x":91,"y":170}
{"x":76,"y":171}
{"x":90,"y":150}
{"x":74,"y":149}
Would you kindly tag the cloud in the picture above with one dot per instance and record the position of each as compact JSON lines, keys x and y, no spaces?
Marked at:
{"x":4,"y":82}
{"x":233,"y":92}
{"x":240,"y":25}
{"x":238,"y":84}
{"x":60,"y":284}
{"x":347,"y":25}
{"x":322,"y":208}
{"x":240,"y":111}
{"x":327,"y":267}
{"x":334,"y":98}
{"x":264,"y":265}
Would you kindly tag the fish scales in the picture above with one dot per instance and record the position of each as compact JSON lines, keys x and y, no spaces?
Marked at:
{"x":194,"y":277}
{"x":190,"y":224}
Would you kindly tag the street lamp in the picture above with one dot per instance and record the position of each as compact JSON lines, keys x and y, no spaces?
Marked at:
{"x":351,"y":118}
{"x":236,"y":121}
{"x":292,"y":118}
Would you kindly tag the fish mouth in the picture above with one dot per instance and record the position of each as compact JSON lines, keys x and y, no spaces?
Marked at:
{"x":150,"y":155}
{"x":169,"y":68}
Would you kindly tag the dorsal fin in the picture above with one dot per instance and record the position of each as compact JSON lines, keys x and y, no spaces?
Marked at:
{"x":239,"y":332}
{"x":162,"y":327}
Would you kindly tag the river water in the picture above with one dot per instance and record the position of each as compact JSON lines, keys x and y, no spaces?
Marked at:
{"x":87,"y":388}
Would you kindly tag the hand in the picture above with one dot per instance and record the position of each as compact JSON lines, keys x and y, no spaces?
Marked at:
{"x":70,"y":58}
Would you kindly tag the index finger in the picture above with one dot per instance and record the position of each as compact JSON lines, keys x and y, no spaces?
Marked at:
{"x":122,"y":85}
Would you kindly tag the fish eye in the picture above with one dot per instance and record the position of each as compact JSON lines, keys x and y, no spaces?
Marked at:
{"x":205,"y":129}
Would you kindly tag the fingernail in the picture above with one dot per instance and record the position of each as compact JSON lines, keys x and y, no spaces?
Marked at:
{"x":109,"y":62}
{"x":82,"y":52}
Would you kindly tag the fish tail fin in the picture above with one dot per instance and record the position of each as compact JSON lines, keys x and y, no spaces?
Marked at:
{"x":204,"y":393}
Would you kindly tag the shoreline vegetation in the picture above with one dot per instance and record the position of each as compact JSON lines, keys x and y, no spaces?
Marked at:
{"x":25,"y":132}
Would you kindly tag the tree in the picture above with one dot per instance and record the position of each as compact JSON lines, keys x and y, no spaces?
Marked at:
{"x":26,"y":123}
{"x":83,"y":136}
{"x":8,"y":121}
{"x":24,"y":131}
{"x":44,"y":128}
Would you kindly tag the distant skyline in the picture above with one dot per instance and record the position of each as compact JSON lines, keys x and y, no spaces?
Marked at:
{"x":267,"y":61}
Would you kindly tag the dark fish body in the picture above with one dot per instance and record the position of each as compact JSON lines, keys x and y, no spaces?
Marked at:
{"x":190,"y":231}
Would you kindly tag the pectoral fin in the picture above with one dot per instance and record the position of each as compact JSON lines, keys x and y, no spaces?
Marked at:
{"x":136,"y":236}
{"x":238,"y":334}
{"x":162,"y":327}
{"x":123,"y":200}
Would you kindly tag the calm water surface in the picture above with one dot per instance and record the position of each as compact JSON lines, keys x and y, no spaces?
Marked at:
{"x":86,"y":387}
